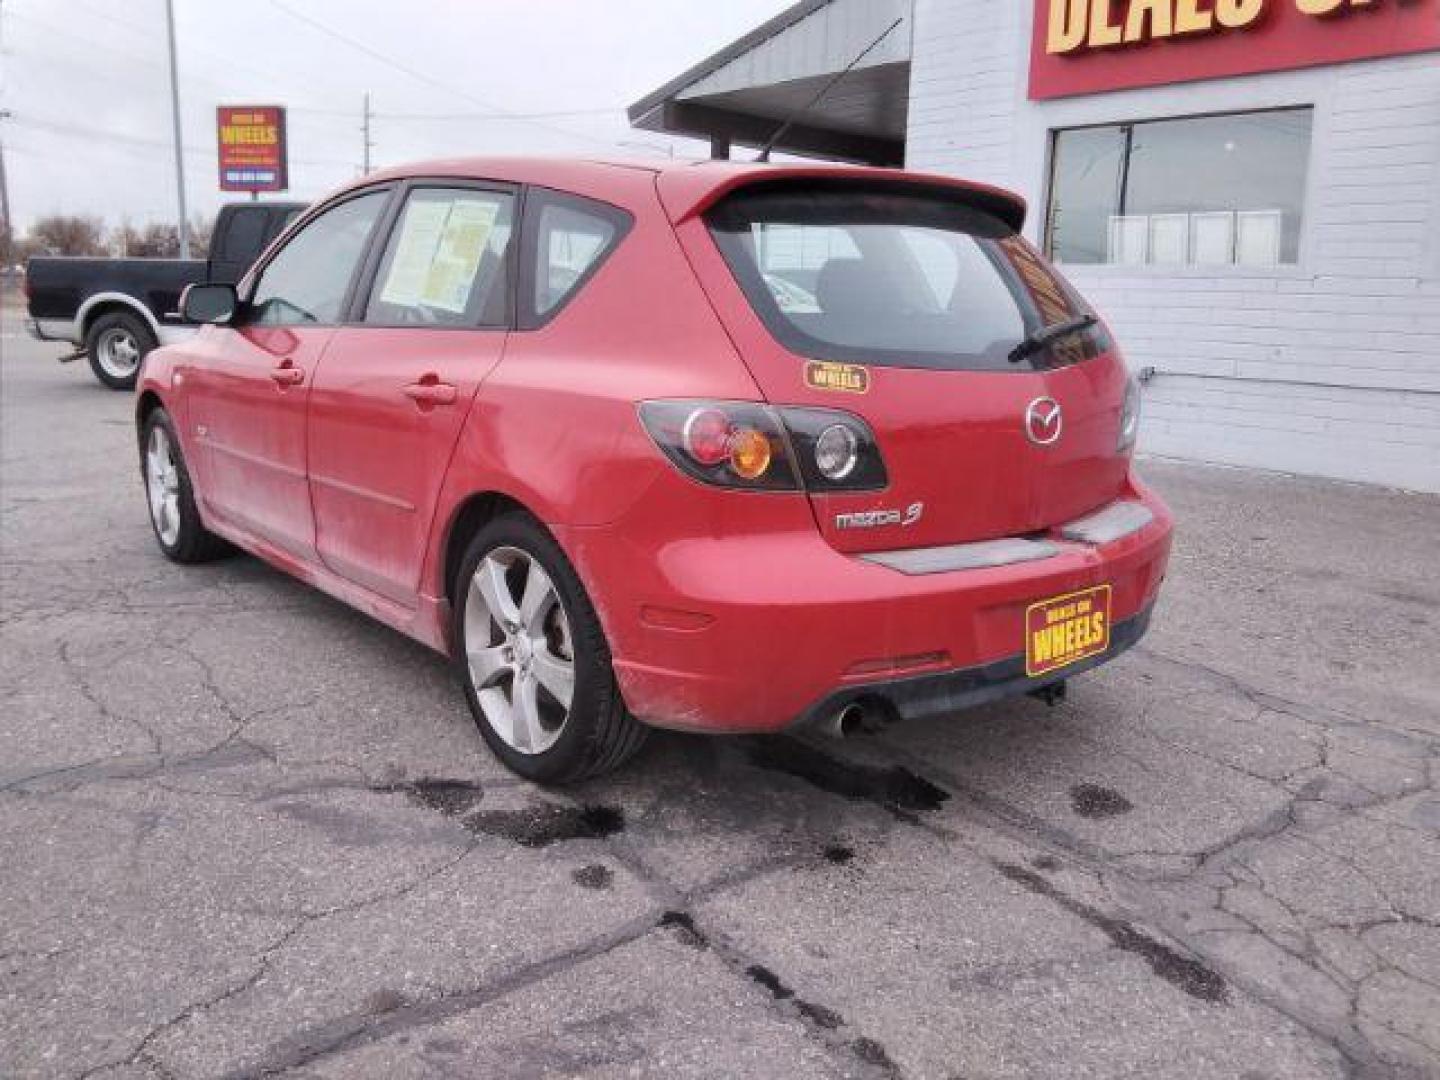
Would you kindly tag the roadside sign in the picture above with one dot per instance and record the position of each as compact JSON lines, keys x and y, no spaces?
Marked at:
{"x":251,"y":139}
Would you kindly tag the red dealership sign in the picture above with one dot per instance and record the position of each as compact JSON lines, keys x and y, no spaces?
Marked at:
{"x":251,"y":139}
{"x":1090,"y":46}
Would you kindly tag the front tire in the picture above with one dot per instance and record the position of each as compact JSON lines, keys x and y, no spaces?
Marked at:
{"x":117,"y":344}
{"x":171,"y":499}
{"x":533,"y":658}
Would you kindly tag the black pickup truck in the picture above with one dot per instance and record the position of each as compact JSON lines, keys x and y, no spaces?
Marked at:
{"x":117,"y":310}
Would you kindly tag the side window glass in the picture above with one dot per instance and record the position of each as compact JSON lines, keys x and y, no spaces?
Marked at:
{"x":307,"y":280}
{"x":444,"y":264}
{"x":571,"y":240}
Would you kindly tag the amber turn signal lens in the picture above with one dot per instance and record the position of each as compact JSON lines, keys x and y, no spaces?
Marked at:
{"x":749,"y":453}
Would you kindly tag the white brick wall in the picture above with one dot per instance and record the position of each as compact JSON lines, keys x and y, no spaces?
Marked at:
{"x":1358,"y":318}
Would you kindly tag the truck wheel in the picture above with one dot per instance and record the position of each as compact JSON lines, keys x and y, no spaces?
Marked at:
{"x":533,"y":658}
{"x":117,"y":343}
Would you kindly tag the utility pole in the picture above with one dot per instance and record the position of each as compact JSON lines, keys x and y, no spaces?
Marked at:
{"x":5,"y":232}
{"x":179,"y":145}
{"x":365,"y":133}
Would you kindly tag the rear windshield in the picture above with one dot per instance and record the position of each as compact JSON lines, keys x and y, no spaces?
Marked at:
{"x":892,"y":278}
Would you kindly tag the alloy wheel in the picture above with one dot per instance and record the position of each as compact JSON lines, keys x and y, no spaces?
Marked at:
{"x":519,"y":650}
{"x":162,"y":484}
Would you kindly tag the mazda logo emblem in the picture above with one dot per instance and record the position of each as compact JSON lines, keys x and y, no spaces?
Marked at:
{"x":1043,"y":421}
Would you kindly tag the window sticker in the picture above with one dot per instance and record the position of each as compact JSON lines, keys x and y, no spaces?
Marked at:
{"x":462,"y":245}
{"x":439,"y":251}
{"x":419,"y":236}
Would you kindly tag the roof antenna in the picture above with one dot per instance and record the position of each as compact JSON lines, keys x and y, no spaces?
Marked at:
{"x":764,"y":154}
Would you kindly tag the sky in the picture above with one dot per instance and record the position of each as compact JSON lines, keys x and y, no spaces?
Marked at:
{"x":86,"y":85}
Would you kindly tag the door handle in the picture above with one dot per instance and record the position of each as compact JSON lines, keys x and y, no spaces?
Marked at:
{"x":430,"y":391}
{"x":288,"y":374}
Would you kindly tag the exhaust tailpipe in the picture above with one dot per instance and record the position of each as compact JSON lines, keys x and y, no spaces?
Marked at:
{"x":844,"y":722}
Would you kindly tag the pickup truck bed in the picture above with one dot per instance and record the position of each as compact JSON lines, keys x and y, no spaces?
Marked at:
{"x":62,"y":288}
{"x":117,"y":310}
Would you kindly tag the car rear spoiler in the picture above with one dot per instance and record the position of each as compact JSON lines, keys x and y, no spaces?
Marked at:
{"x":689,"y":192}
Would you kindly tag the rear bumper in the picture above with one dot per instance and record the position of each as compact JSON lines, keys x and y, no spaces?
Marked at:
{"x":927,"y":696}
{"x":733,"y":614}
{"x":52,"y":329}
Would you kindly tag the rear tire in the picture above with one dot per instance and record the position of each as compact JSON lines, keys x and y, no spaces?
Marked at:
{"x":521,"y":618}
{"x":117,"y":344}
{"x":173,"y":515}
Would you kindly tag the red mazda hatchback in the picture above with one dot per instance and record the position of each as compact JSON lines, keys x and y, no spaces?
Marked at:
{"x":715,"y":447}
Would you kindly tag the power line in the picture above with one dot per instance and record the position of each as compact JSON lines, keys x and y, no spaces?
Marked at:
{"x":140,"y":142}
{"x":227,"y":59}
{"x":312,"y":110}
{"x":507,"y":116}
{"x":130,"y":55}
{"x":109,"y":47}
{"x":428,"y":80}
{"x":492,"y":114}
{"x":367,"y":144}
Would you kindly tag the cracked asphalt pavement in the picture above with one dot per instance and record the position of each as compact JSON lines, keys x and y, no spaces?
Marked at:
{"x":246,"y":832}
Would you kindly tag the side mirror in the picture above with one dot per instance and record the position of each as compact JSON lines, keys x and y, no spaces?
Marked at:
{"x":209,"y":303}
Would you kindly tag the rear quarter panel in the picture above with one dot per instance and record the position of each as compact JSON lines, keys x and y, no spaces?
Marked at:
{"x":555,"y":426}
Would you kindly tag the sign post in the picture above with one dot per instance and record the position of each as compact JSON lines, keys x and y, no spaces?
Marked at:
{"x":183,"y":231}
{"x":251,"y":139}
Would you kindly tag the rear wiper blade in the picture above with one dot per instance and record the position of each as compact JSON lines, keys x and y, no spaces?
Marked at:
{"x":1050,"y":334}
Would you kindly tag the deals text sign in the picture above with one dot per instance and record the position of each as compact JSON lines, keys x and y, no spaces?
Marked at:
{"x":1091,"y":46}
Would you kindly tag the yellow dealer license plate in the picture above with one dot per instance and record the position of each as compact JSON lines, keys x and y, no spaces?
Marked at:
{"x":1066,"y":629}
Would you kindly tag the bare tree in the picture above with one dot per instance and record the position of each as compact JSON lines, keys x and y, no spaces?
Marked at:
{"x":68,"y":234}
{"x":13,"y":249}
{"x":158,"y":240}
{"x":123,"y":239}
{"x":202,"y":227}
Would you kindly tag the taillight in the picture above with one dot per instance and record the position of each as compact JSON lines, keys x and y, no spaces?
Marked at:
{"x":1129,"y":416}
{"x":836,"y":450}
{"x":728,"y":443}
{"x":706,"y":436}
{"x":741,"y":444}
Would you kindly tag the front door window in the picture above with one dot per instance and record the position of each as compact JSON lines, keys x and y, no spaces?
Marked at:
{"x":308,"y":281}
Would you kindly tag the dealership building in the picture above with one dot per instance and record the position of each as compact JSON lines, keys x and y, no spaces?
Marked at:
{"x":1247,"y":190}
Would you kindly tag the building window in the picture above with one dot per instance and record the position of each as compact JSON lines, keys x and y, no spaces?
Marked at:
{"x":1204,"y":191}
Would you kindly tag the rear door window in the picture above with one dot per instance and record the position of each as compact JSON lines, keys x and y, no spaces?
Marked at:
{"x":884,"y":277}
{"x":446,"y":261}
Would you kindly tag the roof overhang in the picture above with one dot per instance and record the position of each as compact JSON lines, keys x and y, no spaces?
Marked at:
{"x":745,"y":92}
